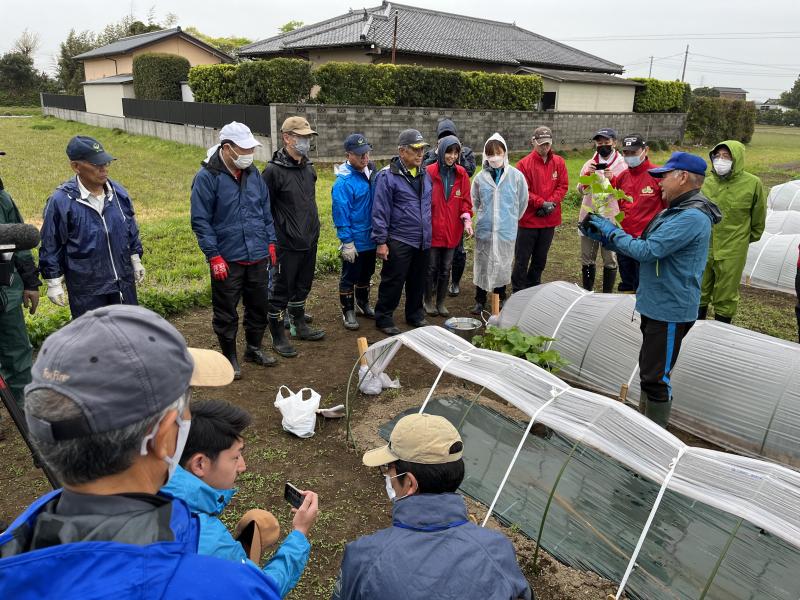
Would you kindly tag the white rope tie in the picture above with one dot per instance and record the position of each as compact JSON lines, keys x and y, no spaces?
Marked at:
{"x":439,"y":376}
{"x":651,"y":516}
{"x":564,"y":316}
{"x":553,"y":396}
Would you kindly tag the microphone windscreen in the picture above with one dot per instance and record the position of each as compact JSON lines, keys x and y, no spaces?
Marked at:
{"x":19,"y":235}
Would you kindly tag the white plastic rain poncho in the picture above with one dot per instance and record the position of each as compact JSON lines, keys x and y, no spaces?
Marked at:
{"x":498,"y":205}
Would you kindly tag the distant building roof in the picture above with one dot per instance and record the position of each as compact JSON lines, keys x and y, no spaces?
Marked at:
{"x":432,"y":33}
{"x":134,"y":42}
{"x":124,"y":78}
{"x":579,"y":76}
{"x":730,"y":90}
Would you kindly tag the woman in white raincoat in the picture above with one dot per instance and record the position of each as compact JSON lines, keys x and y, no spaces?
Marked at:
{"x":499,"y":198}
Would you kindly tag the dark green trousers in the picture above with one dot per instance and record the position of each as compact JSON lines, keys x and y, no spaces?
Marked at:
{"x":16,"y":353}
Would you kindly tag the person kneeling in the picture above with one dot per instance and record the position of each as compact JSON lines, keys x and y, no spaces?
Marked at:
{"x":432,"y":549}
{"x":210,"y":463}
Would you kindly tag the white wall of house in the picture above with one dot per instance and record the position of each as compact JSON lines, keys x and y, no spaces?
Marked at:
{"x":591,"y":97}
{"x":106,"y":99}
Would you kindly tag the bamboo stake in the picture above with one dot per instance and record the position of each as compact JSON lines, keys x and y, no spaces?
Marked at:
{"x":362,"y":348}
{"x":495,"y":304}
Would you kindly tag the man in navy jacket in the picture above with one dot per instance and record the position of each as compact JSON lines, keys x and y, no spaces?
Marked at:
{"x":401,"y":228}
{"x":90,"y":236}
{"x":232,"y":220}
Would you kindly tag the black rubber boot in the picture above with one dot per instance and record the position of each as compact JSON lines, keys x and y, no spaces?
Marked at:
{"x":658,"y":412}
{"x":456,"y":274}
{"x":441,"y":296}
{"x":348,"y":310}
{"x":280,"y":343}
{"x":702,"y":313}
{"x":723,"y":319}
{"x":427,"y":304}
{"x":228,"y":349}
{"x":609,"y":278}
{"x":287,"y":324}
{"x":255,"y":354}
{"x":300,"y":328}
{"x":588,"y":273}
{"x":362,"y":302}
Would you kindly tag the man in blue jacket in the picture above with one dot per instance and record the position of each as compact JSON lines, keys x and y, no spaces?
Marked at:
{"x":209,"y":466}
{"x":432,"y":549}
{"x":352,"y":216}
{"x":108,"y":412}
{"x":232,"y":220}
{"x":401,"y":228}
{"x":672,"y":253}
{"x":89,"y":235}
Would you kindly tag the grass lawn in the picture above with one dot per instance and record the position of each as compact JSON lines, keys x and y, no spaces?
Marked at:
{"x":158,"y":175}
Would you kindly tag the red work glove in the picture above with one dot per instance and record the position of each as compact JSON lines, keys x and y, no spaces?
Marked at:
{"x":273,"y":255}
{"x":219,"y":268}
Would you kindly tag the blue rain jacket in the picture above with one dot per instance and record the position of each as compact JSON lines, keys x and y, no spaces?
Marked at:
{"x":352,"y":206}
{"x":399,"y":211}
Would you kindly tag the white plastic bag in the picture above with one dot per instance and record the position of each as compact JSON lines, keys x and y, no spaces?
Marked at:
{"x":299,"y":414}
{"x":373,"y":385}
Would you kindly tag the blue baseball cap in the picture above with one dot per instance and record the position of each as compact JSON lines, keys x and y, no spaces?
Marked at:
{"x":681,"y":161}
{"x":357,"y":144}
{"x":606,"y":132}
{"x":83,"y":147}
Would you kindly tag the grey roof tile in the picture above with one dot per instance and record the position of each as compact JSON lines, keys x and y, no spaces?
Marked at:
{"x":132,"y":42}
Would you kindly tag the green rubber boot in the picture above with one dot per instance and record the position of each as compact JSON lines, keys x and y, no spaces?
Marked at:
{"x":658,"y":412}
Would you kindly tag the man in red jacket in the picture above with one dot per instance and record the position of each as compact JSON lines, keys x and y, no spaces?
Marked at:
{"x":637,"y":183}
{"x":546,"y":176}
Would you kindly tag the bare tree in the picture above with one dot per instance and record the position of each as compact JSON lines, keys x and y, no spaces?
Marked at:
{"x":27,"y":43}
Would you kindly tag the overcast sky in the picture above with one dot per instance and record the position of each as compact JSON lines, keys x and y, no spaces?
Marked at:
{"x":736,"y":43}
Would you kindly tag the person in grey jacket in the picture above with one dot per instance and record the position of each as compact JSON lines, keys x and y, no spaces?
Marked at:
{"x":432,"y":549}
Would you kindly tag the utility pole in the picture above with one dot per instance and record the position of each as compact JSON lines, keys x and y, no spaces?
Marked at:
{"x":685,"y":58}
{"x":650,"y":72}
{"x":394,"y":39}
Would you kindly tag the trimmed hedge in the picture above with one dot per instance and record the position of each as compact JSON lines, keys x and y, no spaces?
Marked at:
{"x":253,"y":82}
{"x":661,"y":96}
{"x":712,"y":120}
{"x":410,"y":85}
{"x":158,"y":76}
{"x":789,"y":118}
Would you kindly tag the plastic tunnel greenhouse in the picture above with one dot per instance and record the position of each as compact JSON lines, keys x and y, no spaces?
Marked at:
{"x":734,"y":387}
{"x":783,"y":221}
{"x":607,"y":489}
{"x":785,"y":196}
{"x":772,"y":262}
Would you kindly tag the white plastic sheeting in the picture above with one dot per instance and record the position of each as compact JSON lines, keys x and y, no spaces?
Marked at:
{"x":783,"y":221}
{"x":765,"y":494}
{"x":772,"y":262}
{"x":785,"y":196}
{"x":731,"y":386}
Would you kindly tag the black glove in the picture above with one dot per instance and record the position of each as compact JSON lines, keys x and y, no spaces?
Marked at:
{"x":546,"y":209}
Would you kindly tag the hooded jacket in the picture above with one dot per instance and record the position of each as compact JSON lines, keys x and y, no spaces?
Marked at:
{"x":450,"y":197}
{"x":352,"y":205}
{"x":500,"y":200}
{"x":467,"y":157}
{"x":231,"y":218}
{"x":285,"y":566}
{"x":401,"y":207}
{"x":547,"y":181}
{"x":741,"y":198}
{"x":637,"y":183}
{"x":672,"y":254}
{"x":292,"y":193}
{"x":431,"y":551}
{"x":91,"y":250}
{"x":125,"y":547}
{"x":616,"y":165}
{"x":25,"y":276}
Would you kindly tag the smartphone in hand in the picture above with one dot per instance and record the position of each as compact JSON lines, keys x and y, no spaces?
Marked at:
{"x":292,"y":495}
{"x":601,"y":166}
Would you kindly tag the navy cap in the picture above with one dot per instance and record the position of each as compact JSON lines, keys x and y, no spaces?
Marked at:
{"x":606,"y":132}
{"x":357,"y":144}
{"x":83,"y":147}
{"x":634,"y":141}
{"x":681,"y":161}
{"x":119,"y":364}
{"x":411,"y":137}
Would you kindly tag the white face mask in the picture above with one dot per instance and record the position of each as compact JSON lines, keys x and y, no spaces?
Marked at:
{"x":183,"y":435}
{"x":722,"y":166}
{"x":634,"y":161}
{"x":496,"y":161}
{"x":242,"y":161}
{"x":390,"y":490}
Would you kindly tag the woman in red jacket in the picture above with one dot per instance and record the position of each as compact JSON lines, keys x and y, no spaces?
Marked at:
{"x":451,"y":215}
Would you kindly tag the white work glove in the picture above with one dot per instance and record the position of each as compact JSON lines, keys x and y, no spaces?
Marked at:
{"x":55,"y":291}
{"x":348,"y":252}
{"x":138,"y":268}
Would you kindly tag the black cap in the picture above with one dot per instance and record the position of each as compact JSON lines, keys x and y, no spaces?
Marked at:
{"x":606,"y":132}
{"x":411,"y":137}
{"x":83,"y":147}
{"x":357,"y":144}
{"x":634,"y":141}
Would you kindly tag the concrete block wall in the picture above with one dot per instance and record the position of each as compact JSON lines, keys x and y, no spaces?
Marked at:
{"x":381,"y":126}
